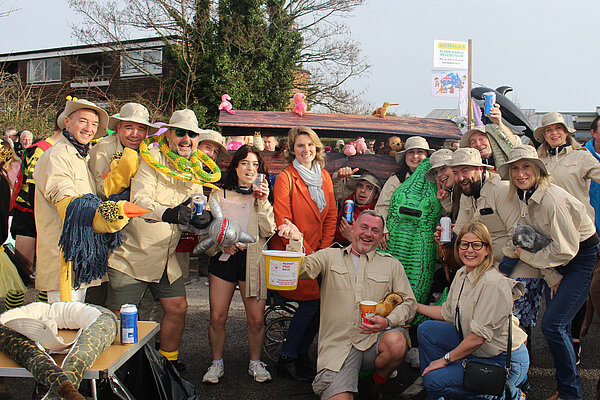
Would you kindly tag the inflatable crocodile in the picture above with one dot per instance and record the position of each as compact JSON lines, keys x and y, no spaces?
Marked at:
{"x":412,"y":219}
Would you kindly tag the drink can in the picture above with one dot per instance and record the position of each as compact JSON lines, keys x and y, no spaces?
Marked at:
{"x":348,"y":210}
{"x":490,"y":100}
{"x":197,"y":204}
{"x":446,"y":234}
{"x":129,"y":329}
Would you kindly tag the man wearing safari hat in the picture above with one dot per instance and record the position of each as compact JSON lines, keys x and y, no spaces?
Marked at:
{"x":441,"y":174}
{"x":61,"y":175}
{"x":146,"y":259}
{"x":211,"y":144}
{"x":366,"y":192}
{"x":131,"y":126}
{"x":493,"y":141}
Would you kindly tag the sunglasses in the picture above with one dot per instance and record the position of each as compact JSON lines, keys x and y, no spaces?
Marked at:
{"x":476,"y":245}
{"x":182,"y":132}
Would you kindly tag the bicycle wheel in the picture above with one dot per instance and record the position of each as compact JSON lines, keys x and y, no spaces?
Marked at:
{"x":275,"y":333}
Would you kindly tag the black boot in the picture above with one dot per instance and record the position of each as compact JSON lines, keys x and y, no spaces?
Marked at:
{"x":288,"y":368}
{"x":304,"y":366}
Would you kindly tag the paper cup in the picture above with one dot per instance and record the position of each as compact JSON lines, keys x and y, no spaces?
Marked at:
{"x":367,"y":309}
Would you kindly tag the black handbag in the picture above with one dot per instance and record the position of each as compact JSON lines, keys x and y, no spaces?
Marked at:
{"x":483,"y":378}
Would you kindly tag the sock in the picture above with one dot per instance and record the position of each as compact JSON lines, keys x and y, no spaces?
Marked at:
{"x":218,"y":361}
{"x":170,"y":355}
{"x":43,"y":296}
{"x":14,"y":299}
{"x":254,"y":361}
{"x":378,"y":379}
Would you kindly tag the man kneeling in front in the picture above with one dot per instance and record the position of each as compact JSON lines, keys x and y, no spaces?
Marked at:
{"x":350,"y":275}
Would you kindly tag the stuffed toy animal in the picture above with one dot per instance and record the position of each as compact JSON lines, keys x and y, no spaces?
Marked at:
{"x":527,"y":238}
{"x":226,"y":105}
{"x":387,"y":305}
{"x":361,"y":146}
{"x":395,"y":144}
{"x":381,"y":111}
{"x":349,"y":149}
{"x":300,"y":107}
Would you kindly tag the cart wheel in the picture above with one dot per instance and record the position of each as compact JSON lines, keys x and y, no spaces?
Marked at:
{"x":275,"y":334}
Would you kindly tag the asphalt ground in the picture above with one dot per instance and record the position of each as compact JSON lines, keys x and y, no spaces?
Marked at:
{"x":237,"y":384}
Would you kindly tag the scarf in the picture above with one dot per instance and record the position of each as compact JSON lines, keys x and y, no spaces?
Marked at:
{"x":82,"y":149}
{"x":525,"y":195}
{"x":314,"y":181}
{"x":555,"y":150}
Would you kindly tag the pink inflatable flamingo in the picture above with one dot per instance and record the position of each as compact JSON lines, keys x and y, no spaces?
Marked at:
{"x":300,"y":108}
{"x":225,"y":104}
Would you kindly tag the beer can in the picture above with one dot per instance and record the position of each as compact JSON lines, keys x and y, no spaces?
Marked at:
{"x":197,"y":204}
{"x":446,"y":235}
{"x":348,"y":210}
{"x":490,"y":100}
{"x":129,"y":329}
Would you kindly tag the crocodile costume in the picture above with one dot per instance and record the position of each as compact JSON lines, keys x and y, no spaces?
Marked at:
{"x":413,"y":216}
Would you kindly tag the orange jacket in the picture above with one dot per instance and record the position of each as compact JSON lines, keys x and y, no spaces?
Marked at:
{"x":318,"y":228}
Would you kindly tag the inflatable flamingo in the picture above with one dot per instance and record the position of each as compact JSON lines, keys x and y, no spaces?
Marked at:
{"x":300,"y":108}
{"x":225,"y":104}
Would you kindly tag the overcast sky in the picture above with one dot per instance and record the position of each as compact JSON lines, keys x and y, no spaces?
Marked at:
{"x":545,"y":49}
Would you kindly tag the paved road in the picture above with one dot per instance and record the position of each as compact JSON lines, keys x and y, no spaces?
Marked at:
{"x":237,"y":384}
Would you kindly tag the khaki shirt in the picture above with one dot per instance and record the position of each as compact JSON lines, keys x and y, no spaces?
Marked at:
{"x":148,"y":243}
{"x":572,"y":169}
{"x":341,"y":292}
{"x":60,"y":173}
{"x":484,"y":309}
{"x":563,"y":219}
{"x":500,"y":215}
{"x":99,"y":163}
{"x":383,"y":203}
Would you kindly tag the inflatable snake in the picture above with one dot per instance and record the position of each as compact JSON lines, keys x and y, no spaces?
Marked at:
{"x":412,"y":218}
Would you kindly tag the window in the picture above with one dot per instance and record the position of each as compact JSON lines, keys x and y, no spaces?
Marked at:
{"x":47,"y":70}
{"x":138,"y":62}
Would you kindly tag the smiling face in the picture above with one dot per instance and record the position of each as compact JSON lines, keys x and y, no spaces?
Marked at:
{"x":555,"y":135}
{"x":480,"y":141}
{"x":444,"y":177}
{"x":82,"y":124}
{"x":131,"y":134}
{"x":367,"y":232}
{"x":470,"y":257}
{"x":246,"y":170}
{"x":184,"y":146}
{"x":413,"y":158}
{"x":366,"y":193}
{"x":305,"y":150}
{"x":523,"y":174}
{"x":209,"y":148}
{"x":467,"y":178}
{"x":270,"y":142}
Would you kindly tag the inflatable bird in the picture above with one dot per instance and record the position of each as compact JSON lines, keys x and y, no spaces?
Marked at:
{"x":381,"y":111}
{"x":300,"y":107}
{"x":226,"y":105}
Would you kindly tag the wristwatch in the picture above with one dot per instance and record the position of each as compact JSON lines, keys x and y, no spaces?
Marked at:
{"x":447,"y":358}
{"x":389,"y":324}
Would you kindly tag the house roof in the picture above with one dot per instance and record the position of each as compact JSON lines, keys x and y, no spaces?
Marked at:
{"x":277,"y":123}
{"x":82,"y":49}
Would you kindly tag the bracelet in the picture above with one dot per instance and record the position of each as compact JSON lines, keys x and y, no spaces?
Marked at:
{"x":389,"y":324}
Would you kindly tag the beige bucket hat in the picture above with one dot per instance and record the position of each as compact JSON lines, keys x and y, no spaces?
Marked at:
{"x":79,"y":104}
{"x":413,"y":142}
{"x":217,"y":138}
{"x":520,"y":152}
{"x":183,"y":119}
{"x":467,"y":156}
{"x":438,"y":159}
{"x":464,"y":140}
{"x":547,"y":120}
{"x":364,"y":175}
{"x":132,"y":112}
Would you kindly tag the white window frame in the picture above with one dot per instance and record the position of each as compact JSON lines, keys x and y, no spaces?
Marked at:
{"x":143,"y":55}
{"x":43,"y":63}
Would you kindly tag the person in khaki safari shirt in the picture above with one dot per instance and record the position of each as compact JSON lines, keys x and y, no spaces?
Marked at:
{"x":61,"y":174}
{"x":350,"y":275}
{"x":146,"y":259}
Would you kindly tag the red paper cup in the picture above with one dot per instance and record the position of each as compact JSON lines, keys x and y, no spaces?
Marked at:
{"x":367,"y":310}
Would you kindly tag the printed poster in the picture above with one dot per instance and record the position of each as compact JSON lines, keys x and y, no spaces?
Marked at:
{"x":448,"y":83}
{"x":450,"y":54}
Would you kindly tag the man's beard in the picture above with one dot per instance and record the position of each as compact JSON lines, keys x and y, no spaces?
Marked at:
{"x":177,"y":150}
{"x":472,"y":190}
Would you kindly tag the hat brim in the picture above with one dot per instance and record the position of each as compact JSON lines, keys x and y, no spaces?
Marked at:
{"x":470,"y":164}
{"x":430,"y":175}
{"x":181,"y":125}
{"x":113,"y":120}
{"x":504,"y":169}
{"x":223,"y":152}
{"x":400,"y":155}
{"x":466,"y":137}
{"x":369,"y":178}
{"x":538,"y":133}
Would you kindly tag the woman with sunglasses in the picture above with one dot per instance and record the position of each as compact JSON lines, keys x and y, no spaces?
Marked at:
{"x":473,"y":323}
{"x":566,"y":263}
{"x":239,"y":264}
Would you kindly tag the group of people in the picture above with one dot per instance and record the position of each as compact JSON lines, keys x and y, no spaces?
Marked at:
{"x":489,"y":187}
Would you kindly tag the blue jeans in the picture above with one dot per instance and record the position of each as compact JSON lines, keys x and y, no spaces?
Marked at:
{"x":436,"y":338}
{"x":302,"y":330}
{"x":556,"y":323}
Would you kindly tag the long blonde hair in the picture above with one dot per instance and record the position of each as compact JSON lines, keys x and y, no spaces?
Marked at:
{"x":481,"y":231}
{"x":303,"y":130}
{"x":543,"y":149}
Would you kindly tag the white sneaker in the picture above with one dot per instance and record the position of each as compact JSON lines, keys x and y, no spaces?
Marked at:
{"x":259,"y":372}
{"x":215,"y":371}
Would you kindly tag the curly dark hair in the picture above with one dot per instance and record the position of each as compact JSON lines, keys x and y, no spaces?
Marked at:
{"x":230,"y":181}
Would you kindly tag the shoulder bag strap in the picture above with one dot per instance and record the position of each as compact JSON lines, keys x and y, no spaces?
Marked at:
{"x":290,"y":180}
{"x":457,"y":314}
{"x":508,"y":357}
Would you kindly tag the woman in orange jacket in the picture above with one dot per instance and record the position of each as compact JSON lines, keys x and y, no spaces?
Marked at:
{"x":303,"y":194}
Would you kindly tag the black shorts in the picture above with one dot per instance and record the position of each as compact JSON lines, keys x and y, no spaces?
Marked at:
{"x":232,"y":270}
{"x":23,"y":223}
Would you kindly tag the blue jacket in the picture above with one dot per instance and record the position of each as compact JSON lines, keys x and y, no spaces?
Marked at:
{"x":594,"y":188}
